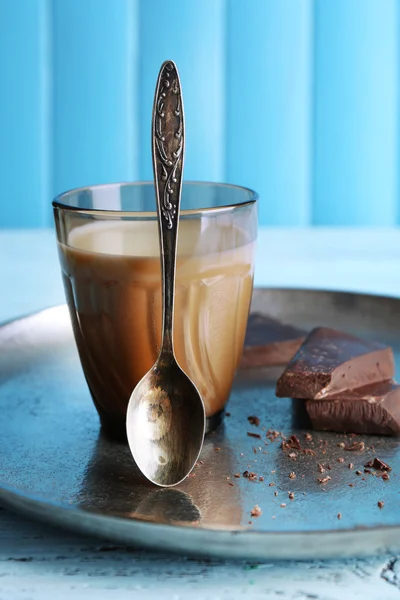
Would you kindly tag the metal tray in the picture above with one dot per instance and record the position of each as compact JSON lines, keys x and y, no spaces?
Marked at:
{"x":55,"y":464}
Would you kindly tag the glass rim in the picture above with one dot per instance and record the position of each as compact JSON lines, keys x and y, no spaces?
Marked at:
{"x":59,"y":204}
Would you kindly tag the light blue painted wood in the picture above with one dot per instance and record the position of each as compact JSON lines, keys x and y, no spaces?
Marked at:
{"x":193,"y":35}
{"x":355,"y":112}
{"x":268,"y":103}
{"x":295,"y":98}
{"x":24,"y":118}
{"x":95,"y":92}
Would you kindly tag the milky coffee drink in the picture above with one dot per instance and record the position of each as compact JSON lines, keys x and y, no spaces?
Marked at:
{"x":112,"y":277}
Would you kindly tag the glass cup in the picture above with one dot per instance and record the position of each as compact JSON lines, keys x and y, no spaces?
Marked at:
{"x":110,"y":260}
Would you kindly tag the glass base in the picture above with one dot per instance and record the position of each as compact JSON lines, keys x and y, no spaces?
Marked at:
{"x":214,"y":421}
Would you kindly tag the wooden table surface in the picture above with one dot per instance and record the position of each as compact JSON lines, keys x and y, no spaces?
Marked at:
{"x":37,"y":561}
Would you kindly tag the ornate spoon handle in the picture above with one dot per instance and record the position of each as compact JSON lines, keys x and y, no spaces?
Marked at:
{"x":168,"y":138}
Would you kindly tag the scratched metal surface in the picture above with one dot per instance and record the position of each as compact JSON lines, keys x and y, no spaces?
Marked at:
{"x":55,"y":464}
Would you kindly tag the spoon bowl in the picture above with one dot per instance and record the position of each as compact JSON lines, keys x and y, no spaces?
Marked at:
{"x":163,"y":424}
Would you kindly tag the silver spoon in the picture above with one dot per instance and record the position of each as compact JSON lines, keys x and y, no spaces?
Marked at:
{"x":165,"y":420}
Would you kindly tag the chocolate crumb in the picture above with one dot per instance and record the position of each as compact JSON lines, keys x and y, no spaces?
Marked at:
{"x":253,"y":421}
{"x":237,"y":475}
{"x":381,"y":504}
{"x":283,"y":505}
{"x":292,"y":475}
{"x":232,"y":484}
{"x":291,"y":495}
{"x":378,"y":464}
{"x":293,"y":443}
{"x":351,"y":466}
{"x":261,"y":478}
{"x":368,"y":471}
{"x":355,"y":447}
{"x":321,"y":468}
{"x":309,"y":451}
{"x":329,"y":467}
{"x":252,"y":476}
{"x":339,"y":516}
{"x":358,"y":473}
{"x":275,"y":494}
{"x":272,"y":434}
{"x":324,"y":479}
{"x":217,"y":449}
{"x":245,"y":473}
{"x":340,"y":460}
{"x":271,"y":484}
{"x":385,"y":476}
{"x":254,"y":435}
{"x":351,"y":484}
{"x":256,"y":511}
{"x":308,"y":437}
{"x":250,"y":522}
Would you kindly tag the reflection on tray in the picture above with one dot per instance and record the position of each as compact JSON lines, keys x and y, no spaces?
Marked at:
{"x":113,"y":484}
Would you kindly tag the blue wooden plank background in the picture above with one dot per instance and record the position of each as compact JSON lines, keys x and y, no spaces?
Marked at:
{"x":296,"y":98}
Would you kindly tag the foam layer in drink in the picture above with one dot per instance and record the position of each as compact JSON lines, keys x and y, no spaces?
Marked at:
{"x":112,"y":279}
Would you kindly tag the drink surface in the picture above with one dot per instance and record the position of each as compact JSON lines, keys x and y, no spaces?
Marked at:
{"x":112,"y":278}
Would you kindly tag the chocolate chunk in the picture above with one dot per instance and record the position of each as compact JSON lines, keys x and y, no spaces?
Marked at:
{"x":293,"y":443}
{"x":355,"y":447}
{"x":378,"y":464}
{"x":324,"y":480}
{"x":256,"y":511}
{"x":373,"y":409}
{"x":254,"y":435}
{"x":330,"y":362}
{"x":269,"y":342}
